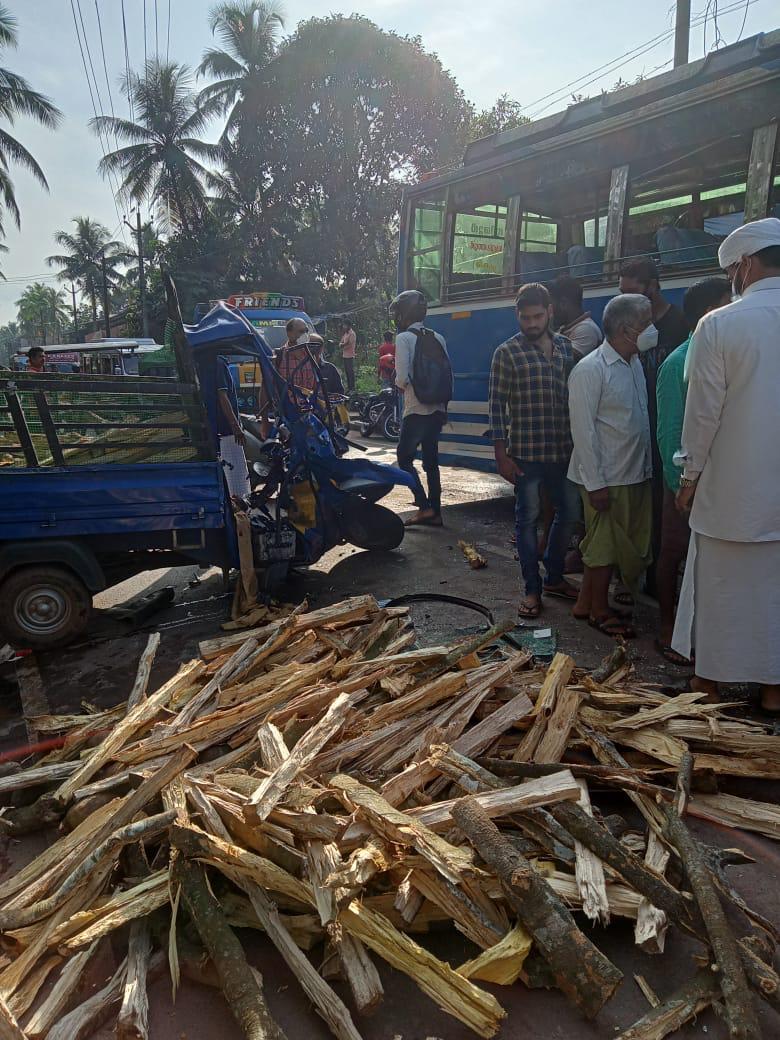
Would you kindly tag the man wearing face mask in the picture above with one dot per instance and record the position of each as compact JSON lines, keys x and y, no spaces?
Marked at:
{"x":729,"y":606}
{"x":611,"y":461}
{"x":669,"y":329}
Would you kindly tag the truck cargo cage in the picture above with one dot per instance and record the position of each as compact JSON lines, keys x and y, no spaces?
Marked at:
{"x":49,"y":420}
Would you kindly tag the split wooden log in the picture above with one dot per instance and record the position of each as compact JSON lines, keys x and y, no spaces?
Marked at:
{"x":84,"y":1020}
{"x":581,"y":971}
{"x":331,"y":1008}
{"x":193,"y":708}
{"x":141,"y":684}
{"x":589,"y":871}
{"x":453,"y":863}
{"x":558,"y":675}
{"x":271,"y":790}
{"x":598,"y":839}
{"x":239,"y":984}
{"x":740,"y":1013}
{"x":474,"y":559}
{"x":465,"y":914}
{"x":144,"y":829}
{"x":457,"y":996}
{"x":137,"y":717}
{"x":671,"y":1014}
{"x":133,"y":1020}
{"x":561,"y":786}
{"x":501,"y":964}
{"x":9,"y":1027}
{"x":50,"y":1011}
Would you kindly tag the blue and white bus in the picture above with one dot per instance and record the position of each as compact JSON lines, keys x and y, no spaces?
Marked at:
{"x":664,"y":168}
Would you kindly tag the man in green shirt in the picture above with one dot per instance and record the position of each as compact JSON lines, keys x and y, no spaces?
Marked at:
{"x":671,"y":389}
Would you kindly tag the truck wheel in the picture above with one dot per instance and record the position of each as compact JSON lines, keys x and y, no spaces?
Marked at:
{"x":43,"y":607}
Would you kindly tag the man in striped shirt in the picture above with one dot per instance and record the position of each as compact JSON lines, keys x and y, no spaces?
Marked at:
{"x":529,"y":419}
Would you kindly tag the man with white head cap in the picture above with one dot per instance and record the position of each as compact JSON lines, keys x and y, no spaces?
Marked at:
{"x":730,"y":602}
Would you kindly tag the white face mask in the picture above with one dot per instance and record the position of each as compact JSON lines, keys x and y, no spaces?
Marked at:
{"x":302,"y":340}
{"x":647,"y":339}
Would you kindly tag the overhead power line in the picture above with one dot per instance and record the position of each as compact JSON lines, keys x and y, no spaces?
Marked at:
{"x":168,"y":38}
{"x":127,"y":65}
{"x":146,"y":58}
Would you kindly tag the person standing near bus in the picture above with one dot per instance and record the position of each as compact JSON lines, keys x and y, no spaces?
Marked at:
{"x":640,"y":275}
{"x":611,"y":462}
{"x":707,"y":295}
{"x":230,"y":434}
{"x":573,"y":321}
{"x":729,"y":608}
{"x":348,"y":344}
{"x":529,"y":426}
{"x":36,"y":359}
{"x":426,"y":382}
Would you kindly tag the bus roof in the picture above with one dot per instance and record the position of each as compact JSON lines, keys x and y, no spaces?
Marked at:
{"x":714,"y":74}
{"x":131,"y":346}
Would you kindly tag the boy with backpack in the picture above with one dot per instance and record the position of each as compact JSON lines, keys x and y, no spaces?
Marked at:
{"x":424,"y":373}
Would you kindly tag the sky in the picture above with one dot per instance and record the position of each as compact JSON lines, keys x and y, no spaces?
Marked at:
{"x":524,"y":48}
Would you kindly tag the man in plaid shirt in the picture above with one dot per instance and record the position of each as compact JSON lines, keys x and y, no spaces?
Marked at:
{"x":529,"y":419}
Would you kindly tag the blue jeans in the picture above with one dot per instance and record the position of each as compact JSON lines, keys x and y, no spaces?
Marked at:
{"x":564,"y":498}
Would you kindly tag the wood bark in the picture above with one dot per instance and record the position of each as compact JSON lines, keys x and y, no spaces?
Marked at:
{"x":671,"y":1014}
{"x":239,"y":985}
{"x":581,"y":971}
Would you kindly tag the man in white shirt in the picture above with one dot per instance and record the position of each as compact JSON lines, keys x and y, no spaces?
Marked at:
{"x":422,"y":423}
{"x":573,"y":322}
{"x":611,"y":461}
{"x":730,"y":601}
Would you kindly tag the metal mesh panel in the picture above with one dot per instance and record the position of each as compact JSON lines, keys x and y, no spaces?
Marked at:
{"x":73,"y":421}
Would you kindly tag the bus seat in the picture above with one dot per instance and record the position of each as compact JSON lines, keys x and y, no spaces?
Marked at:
{"x":585,"y":261}
{"x":541,"y":266}
{"x":678,"y":246}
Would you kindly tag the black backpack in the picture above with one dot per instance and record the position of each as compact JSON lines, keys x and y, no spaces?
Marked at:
{"x":431,"y":369}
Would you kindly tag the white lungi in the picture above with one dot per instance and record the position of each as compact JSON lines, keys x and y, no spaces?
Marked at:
{"x":234,"y":466}
{"x":729,"y":610}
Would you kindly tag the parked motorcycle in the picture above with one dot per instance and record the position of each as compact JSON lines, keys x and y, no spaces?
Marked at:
{"x":379,"y":413}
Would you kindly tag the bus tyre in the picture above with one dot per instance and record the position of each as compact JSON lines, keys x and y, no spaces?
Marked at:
{"x":43,"y":607}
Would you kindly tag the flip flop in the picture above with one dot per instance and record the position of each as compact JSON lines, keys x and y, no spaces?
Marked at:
{"x":612,"y":625}
{"x":622,"y":615}
{"x":559,"y":592}
{"x":529,"y":612}
{"x":625,"y":599}
{"x":670,"y":654}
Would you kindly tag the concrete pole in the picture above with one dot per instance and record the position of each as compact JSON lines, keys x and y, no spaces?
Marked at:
{"x":682,"y":32}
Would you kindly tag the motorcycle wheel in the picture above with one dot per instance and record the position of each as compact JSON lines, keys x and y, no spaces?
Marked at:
{"x":390,"y":426}
{"x":370,"y":526}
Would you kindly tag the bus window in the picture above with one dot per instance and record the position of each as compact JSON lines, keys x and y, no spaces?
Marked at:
{"x":477,"y":247}
{"x":424,"y":264}
{"x":679,"y":213}
{"x":537,"y":248}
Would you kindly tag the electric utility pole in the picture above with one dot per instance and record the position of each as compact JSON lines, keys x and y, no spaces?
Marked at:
{"x":682,"y":32}
{"x":106,"y":305}
{"x":75,"y":313}
{"x":141,"y":270}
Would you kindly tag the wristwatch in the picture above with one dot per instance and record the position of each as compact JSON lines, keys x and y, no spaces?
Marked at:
{"x":688,"y":482}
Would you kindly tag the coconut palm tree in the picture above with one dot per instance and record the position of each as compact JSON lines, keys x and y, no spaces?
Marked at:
{"x":249,"y":31}
{"x":42,"y":312}
{"x":17,"y":98}
{"x":81,"y":263}
{"x":161,"y":161}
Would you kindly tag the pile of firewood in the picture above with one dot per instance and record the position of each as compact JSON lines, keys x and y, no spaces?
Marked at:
{"x":321,"y":779}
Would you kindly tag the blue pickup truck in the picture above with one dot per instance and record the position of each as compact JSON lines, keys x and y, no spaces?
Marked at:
{"x":101,"y":477}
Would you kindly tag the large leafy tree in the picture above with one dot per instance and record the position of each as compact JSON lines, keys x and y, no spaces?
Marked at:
{"x":248,"y":31}
{"x":42,"y":313}
{"x":81,"y":263}
{"x":18,"y":99}
{"x":355,"y":111}
{"x":505,"y":114}
{"x":10,"y":341}
{"x":163,"y":158}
